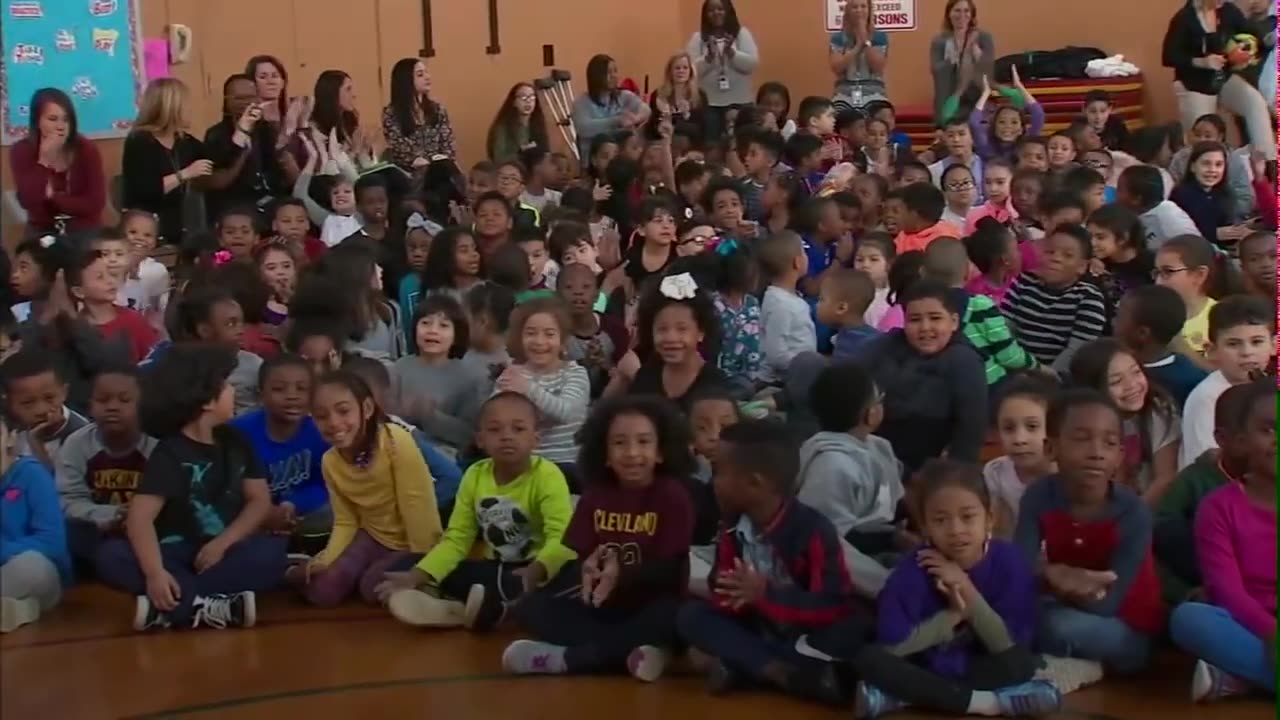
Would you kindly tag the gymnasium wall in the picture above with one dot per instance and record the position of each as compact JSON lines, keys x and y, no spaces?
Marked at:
{"x":314,"y":35}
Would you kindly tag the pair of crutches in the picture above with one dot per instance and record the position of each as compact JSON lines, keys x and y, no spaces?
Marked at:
{"x":556,"y":92}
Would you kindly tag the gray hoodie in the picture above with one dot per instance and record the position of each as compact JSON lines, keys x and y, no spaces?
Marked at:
{"x":1165,"y":221}
{"x":856,"y":483}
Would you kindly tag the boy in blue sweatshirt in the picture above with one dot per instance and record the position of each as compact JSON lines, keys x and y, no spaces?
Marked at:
{"x":288,"y":443}
{"x":34,"y":562}
{"x":779,"y":575}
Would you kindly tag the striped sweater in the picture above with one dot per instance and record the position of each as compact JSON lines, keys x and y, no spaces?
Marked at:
{"x":561,"y":398}
{"x":989,"y":334}
{"x":1052,"y":323}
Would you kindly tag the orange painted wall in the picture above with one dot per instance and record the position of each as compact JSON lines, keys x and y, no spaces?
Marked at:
{"x":314,"y":35}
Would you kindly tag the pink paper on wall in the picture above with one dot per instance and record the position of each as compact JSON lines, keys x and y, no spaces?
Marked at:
{"x":155,"y":58}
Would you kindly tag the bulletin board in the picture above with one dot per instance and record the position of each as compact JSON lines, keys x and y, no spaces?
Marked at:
{"x":89,"y":49}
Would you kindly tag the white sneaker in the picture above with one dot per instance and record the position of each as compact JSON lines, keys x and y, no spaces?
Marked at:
{"x":646,"y":663}
{"x":474,"y":604}
{"x":416,"y":608}
{"x":16,"y":612}
{"x":1069,"y":674}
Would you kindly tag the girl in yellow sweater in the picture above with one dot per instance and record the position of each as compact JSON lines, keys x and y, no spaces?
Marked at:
{"x":383,"y":497}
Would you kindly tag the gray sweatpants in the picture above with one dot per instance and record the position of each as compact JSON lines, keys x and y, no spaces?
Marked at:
{"x":31,"y":575}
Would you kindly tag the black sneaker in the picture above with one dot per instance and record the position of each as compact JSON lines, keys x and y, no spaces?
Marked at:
{"x":721,"y":679}
{"x":821,"y":684}
{"x":147,"y":617}
{"x":224,"y":611}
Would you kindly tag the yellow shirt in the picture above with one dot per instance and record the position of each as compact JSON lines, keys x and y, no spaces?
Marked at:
{"x":394,"y":499}
{"x":1196,"y":330}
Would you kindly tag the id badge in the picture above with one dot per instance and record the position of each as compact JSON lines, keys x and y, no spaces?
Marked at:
{"x":723,"y":83}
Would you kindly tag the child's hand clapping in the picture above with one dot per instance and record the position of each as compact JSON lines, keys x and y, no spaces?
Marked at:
{"x":742,"y":585}
{"x":513,"y":379}
{"x":599,"y":576}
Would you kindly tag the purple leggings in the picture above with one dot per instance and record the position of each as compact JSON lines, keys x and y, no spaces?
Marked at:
{"x":361,"y":565}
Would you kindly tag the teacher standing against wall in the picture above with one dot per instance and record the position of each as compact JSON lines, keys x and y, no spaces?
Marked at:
{"x":725,"y":56}
{"x":959,"y":57}
{"x":859,"y":54}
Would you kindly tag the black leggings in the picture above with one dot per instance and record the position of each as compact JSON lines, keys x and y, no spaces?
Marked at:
{"x":923,"y":688}
{"x":597,"y":639}
{"x":501,"y":586}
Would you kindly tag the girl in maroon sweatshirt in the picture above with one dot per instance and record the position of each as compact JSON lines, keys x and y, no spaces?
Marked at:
{"x":631,"y":530}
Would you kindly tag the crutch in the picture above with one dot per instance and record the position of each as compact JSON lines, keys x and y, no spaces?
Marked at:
{"x":560,"y":113}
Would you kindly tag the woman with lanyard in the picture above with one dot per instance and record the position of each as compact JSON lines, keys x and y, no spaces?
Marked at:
{"x":242,"y":146}
{"x":960,"y":57}
{"x":859,"y":54}
{"x":57,"y":172}
{"x":165,"y":168}
{"x":725,"y":56}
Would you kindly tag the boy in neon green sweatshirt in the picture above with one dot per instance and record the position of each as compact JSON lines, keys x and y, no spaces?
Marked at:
{"x":517,"y":504}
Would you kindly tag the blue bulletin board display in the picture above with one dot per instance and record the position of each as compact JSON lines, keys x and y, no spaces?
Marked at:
{"x":89,"y":49}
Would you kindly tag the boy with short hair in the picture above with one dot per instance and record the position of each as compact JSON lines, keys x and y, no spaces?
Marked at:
{"x":1148,"y":319}
{"x":1061,"y":208}
{"x":692,"y":178}
{"x":542,"y":269}
{"x":493,"y":222}
{"x":826,"y":229}
{"x":921,"y":222}
{"x":513,"y":177}
{"x":1141,"y":189}
{"x":884,"y":111}
{"x":1099,"y":112}
{"x":1242,"y":344}
{"x":1088,"y":185}
{"x":851,"y":128}
{"x":763,"y":149}
{"x":843,"y":299}
{"x":946,"y":261}
{"x":958,"y":139}
{"x":571,"y":244}
{"x":817,"y":116}
{"x":785,"y":322}
{"x":1258,"y":264}
{"x":1032,"y":153}
{"x":778,"y":575}
{"x":803,"y":153}
{"x":372,"y":204}
{"x":34,"y":399}
{"x":543,"y":174}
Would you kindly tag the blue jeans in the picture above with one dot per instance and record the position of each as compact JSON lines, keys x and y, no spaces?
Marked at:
{"x":729,"y":639}
{"x":1068,"y":632}
{"x":1210,"y":633}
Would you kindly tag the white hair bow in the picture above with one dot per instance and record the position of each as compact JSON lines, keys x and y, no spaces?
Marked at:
{"x":678,"y":287}
{"x":416,"y":221}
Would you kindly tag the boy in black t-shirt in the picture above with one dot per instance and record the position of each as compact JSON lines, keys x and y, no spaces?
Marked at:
{"x":193,"y":557}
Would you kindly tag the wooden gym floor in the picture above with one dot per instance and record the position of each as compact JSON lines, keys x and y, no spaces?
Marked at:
{"x":84,"y":662}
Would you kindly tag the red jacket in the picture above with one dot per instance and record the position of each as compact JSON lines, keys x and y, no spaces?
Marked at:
{"x":79,"y":192}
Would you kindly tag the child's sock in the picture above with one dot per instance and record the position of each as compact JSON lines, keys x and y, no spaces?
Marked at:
{"x":646,"y":663}
{"x":16,"y":612}
{"x":530,"y":657}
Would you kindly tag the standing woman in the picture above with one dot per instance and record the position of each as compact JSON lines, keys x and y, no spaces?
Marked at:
{"x":1199,"y":47}
{"x":416,"y":127}
{"x":725,"y":56}
{"x":859,"y":54}
{"x":679,"y":97}
{"x":518,"y":126}
{"x":605,"y":108}
{"x":165,"y":168}
{"x":56,"y":170}
{"x":271,"y":81}
{"x":335,"y":114}
{"x":242,"y":149}
{"x":959,"y":57}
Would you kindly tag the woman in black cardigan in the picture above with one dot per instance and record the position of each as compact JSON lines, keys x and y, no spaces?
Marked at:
{"x":1206,"y":60}
{"x":164,"y":168}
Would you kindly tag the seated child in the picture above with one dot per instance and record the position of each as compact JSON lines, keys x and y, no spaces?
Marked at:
{"x":993,"y":250}
{"x":874,"y":255}
{"x":34,"y":560}
{"x":846,"y":473}
{"x":1242,"y":344}
{"x":489,"y":307}
{"x":1121,"y":261}
{"x":146,"y":282}
{"x":33,"y":400}
{"x":194,"y":557}
{"x":709,"y":414}
{"x":1020,"y":418}
{"x":96,"y":288}
{"x":596,"y":341}
{"x":290,"y":223}
{"x":615,"y":608}
{"x":947,"y":262}
{"x":778,"y":576}
{"x":1232,"y":633}
{"x":1258,"y":264}
{"x":289,"y":445}
{"x":785,"y":322}
{"x":1031,"y":152}
{"x":921,"y":222}
{"x":1100,"y":113}
{"x":100,"y":465}
{"x":1175,"y":515}
{"x":237,"y":234}
{"x":843,"y":300}
{"x":209,"y":314}
{"x":737,"y":271}
{"x":958,"y":144}
{"x":1054,"y":311}
{"x":1189,"y":265}
{"x":957,"y":618}
{"x":1141,"y":189}
{"x":384,"y":506}
{"x":934,"y":385}
{"x":1148,"y":319}
{"x":542,"y":269}
{"x":1089,"y":539}
{"x":516,"y":504}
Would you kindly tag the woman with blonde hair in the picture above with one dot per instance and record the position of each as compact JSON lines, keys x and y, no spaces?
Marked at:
{"x":163,"y":166}
{"x":679,"y":98}
{"x":858,"y":54}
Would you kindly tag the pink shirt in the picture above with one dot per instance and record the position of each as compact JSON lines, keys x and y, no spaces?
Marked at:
{"x":982,"y":285}
{"x":1236,"y":543}
{"x":1003,"y":214}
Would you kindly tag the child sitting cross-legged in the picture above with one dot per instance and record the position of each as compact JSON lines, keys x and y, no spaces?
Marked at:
{"x":1089,"y":539}
{"x":517,"y":504}
{"x":194,"y":557}
{"x":778,"y":579}
{"x":1148,"y":320}
{"x":34,"y":563}
{"x":290,"y":446}
{"x":34,"y":394}
{"x":615,"y":608}
{"x":957,"y":618}
{"x":1020,"y":418}
{"x":843,"y":298}
{"x":100,"y":465}
{"x":1233,"y":634}
{"x":384,"y":506}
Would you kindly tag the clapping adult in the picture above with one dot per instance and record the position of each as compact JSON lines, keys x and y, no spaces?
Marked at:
{"x":56,"y":171}
{"x":606,"y":107}
{"x":959,"y":57}
{"x":858,"y":56}
{"x":725,"y":56}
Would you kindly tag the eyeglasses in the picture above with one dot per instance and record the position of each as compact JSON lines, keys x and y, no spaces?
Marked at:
{"x":959,"y":186}
{"x":1166,"y":273}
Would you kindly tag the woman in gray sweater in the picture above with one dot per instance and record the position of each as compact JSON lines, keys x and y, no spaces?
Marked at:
{"x":725,"y":56}
{"x":960,"y":56}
